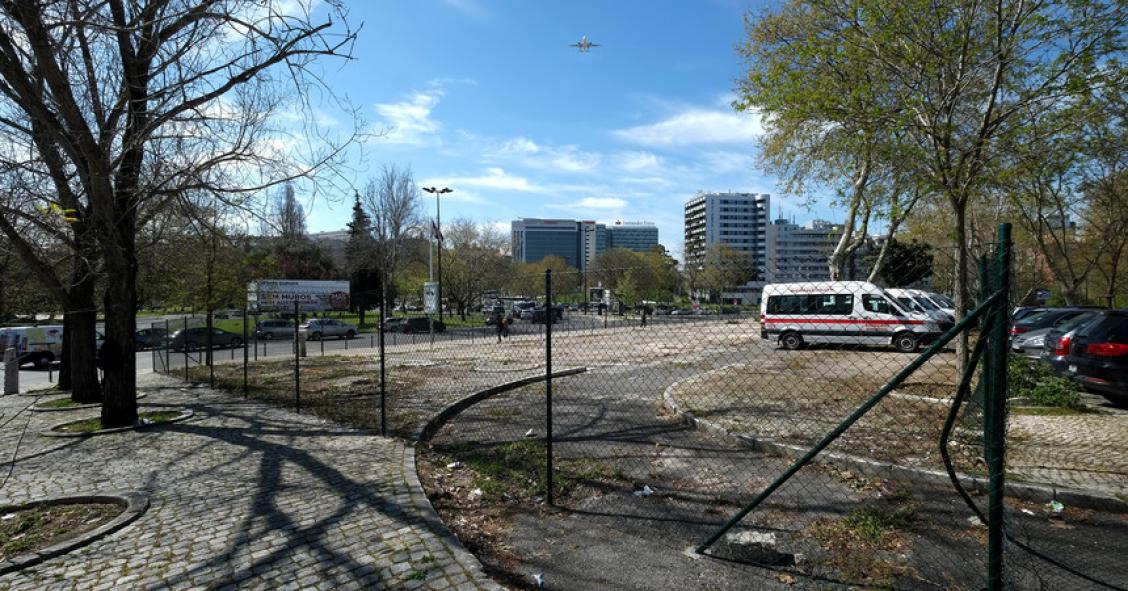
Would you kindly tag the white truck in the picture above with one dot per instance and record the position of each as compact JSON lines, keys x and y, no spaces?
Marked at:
{"x":38,"y":345}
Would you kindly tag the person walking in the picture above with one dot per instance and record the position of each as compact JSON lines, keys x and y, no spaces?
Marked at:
{"x":505,"y":322}
{"x":499,"y":324}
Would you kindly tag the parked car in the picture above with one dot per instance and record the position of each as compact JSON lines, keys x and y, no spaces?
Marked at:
{"x":393,"y":324}
{"x":1055,"y":343}
{"x":266,"y":330}
{"x":1045,"y":319}
{"x":150,"y":338}
{"x":196,"y":337}
{"x":915,"y":300}
{"x":538,"y":316}
{"x":420,"y":324}
{"x":316,"y":329}
{"x":1096,"y":355}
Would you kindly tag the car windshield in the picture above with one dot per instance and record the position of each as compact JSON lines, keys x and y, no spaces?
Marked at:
{"x":909,"y":303}
{"x":943,"y":300}
{"x":925,"y":303}
{"x":1077,"y":321}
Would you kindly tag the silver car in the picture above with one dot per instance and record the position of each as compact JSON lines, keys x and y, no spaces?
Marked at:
{"x":316,"y":329}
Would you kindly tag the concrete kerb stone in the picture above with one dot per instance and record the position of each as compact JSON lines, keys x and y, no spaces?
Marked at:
{"x":134,"y":504}
{"x":432,"y":427}
{"x":36,"y":408}
{"x":1031,"y":492}
{"x":461,"y":555}
{"x":51,"y":432}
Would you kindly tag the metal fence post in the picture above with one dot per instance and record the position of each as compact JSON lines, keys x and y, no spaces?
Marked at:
{"x":383,"y":383}
{"x":996,"y":403}
{"x":246,"y":390}
{"x":184,"y":345}
{"x":548,"y":313}
{"x":297,"y":364}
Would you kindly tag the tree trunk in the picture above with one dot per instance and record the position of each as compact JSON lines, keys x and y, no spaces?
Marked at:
{"x":119,"y":363}
{"x":82,"y":333}
{"x":961,"y":290}
{"x":64,"y":358}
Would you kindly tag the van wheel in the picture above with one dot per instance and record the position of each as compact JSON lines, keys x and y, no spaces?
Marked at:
{"x":43,"y":361}
{"x":906,"y":342}
{"x":791,"y":340}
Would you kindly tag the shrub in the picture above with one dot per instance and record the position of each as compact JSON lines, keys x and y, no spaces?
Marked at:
{"x":1034,"y":380}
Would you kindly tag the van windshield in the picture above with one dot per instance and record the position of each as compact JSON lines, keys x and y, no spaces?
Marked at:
{"x":925,"y":303}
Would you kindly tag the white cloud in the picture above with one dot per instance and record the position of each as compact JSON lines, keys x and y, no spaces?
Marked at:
{"x":492,"y":178}
{"x":566,"y":158}
{"x":601,"y":203}
{"x":638,"y":161}
{"x":409,"y":122}
{"x":696,"y":126}
{"x":723,"y":162}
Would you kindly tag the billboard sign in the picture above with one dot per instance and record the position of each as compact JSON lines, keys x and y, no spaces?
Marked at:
{"x":430,"y":297}
{"x":279,"y":295}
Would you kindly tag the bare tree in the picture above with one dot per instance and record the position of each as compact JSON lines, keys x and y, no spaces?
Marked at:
{"x":289,"y":215}
{"x":130,"y":103}
{"x":392,"y":201}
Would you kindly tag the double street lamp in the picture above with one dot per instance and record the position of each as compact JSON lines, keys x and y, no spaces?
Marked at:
{"x":437,"y":232}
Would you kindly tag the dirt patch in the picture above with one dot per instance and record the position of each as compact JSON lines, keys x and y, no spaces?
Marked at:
{"x":25,"y":530}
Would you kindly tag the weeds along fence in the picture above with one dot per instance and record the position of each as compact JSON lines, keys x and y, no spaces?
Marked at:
{"x":872,"y":451}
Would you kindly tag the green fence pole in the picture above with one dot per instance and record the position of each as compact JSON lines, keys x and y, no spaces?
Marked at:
{"x":383,"y":382}
{"x":996,"y":403}
{"x":246,"y":343}
{"x":981,"y":386}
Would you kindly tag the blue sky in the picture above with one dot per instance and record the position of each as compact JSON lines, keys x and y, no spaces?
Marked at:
{"x":486,"y":97}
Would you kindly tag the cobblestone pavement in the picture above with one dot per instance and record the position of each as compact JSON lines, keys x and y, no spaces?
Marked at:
{"x":1088,"y":451}
{"x":243,"y":495}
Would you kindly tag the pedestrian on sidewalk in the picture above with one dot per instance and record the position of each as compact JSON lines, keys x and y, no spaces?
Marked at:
{"x":499,"y":324}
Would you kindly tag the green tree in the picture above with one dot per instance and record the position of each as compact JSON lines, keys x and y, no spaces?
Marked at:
{"x":361,"y":262}
{"x":725,"y":267}
{"x":906,"y":264}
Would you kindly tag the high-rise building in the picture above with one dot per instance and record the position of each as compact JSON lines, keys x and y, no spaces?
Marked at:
{"x":534,"y":239}
{"x":578,"y":243}
{"x":800,"y":253}
{"x":636,"y":236}
{"x":738,"y":220}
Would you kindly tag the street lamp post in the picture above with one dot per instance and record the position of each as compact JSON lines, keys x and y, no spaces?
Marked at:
{"x":439,"y":244}
{"x":587,"y":263}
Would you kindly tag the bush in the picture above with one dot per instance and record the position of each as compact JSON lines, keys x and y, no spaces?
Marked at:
{"x":1034,"y":380}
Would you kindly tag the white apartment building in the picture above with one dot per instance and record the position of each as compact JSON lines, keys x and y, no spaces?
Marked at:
{"x":739,"y":220}
{"x":800,"y":253}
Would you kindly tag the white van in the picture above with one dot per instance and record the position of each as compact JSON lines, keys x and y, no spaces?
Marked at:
{"x":918,"y":301}
{"x":846,"y":312}
{"x":39,"y":345}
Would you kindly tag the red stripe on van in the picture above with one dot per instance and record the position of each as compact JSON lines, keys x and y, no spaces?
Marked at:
{"x":840,"y":321}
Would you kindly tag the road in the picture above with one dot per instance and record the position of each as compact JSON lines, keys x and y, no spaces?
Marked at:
{"x":31,"y":378}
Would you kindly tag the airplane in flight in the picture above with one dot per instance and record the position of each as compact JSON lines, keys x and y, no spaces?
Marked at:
{"x":584,"y":44}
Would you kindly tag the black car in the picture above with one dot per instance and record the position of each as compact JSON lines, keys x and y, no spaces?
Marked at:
{"x":196,"y":337}
{"x":1097,"y":356}
{"x":150,"y":338}
{"x":1055,"y":342}
{"x":420,"y":324}
{"x":393,"y":324}
{"x":539,"y":316}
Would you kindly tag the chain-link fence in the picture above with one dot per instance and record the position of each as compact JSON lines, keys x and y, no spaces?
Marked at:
{"x":841,"y":431}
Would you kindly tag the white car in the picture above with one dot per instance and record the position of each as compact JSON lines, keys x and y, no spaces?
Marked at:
{"x":917,"y":301}
{"x":316,"y":329}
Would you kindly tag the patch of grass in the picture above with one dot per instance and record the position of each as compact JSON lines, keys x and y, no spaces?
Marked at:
{"x":516,"y":468}
{"x":60,"y":403}
{"x":503,"y":412}
{"x":416,"y":575}
{"x":31,"y":528}
{"x":95,"y":424}
{"x":873,"y":523}
{"x":1048,"y":411}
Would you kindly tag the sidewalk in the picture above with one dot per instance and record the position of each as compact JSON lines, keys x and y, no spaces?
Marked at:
{"x":242,"y":495}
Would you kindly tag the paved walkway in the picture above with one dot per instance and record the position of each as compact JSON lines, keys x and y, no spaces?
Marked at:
{"x":243,"y":495}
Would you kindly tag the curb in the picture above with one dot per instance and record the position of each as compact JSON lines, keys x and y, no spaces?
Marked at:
{"x":1030,"y":492}
{"x":35,"y":408}
{"x":428,"y":431}
{"x":430,"y":516}
{"x":50,"y":432}
{"x":134,"y":503}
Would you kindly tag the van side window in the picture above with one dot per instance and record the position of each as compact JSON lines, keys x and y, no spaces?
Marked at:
{"x":876,"y":303}
{"x":838,"y":304}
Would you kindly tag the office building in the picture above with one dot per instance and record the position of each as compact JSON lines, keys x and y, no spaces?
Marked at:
{"x":738,"y":220}
{"x":534,"y":239}
{"x":577,"y":242}
{"x":636,"y":236}
{"x":800,"y":253}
